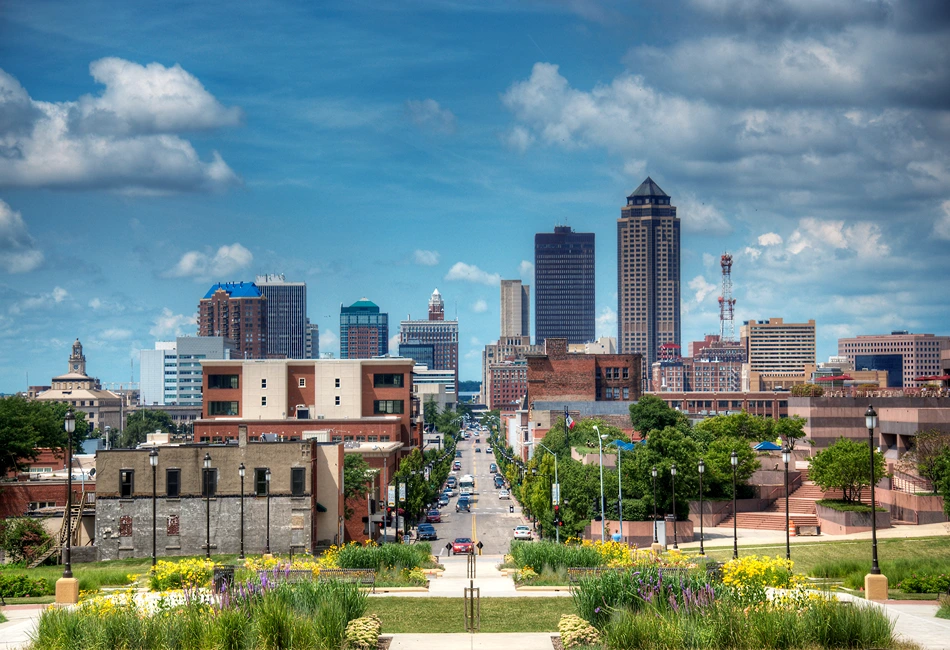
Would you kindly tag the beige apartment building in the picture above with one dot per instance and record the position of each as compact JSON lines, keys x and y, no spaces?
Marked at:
{"x":779,"y":354}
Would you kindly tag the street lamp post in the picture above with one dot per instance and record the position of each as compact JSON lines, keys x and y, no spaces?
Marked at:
{"x":875,"y":584}
{"x":786,"y":456}
{"x":556,"y":500}
{"x":153,"y":461}
{"x":207,"y":466}
{"x":267,"y":540}
{"x":673,"y":476}
{"x":241,"y":472}
{"x":734,"y":460}
{"x":653,"y":473}
{"x":702,"y":470}
{"x":603,"y":517}
{"x":67,"y":587}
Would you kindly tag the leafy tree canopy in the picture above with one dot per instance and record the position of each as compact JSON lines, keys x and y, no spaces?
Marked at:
{"x":807,"y":390}
{"x":930,"y":447}
{"x":143,"y":422}
{"x":651,"y":413}
{"x":718,"y":460}
{"x":846,"y":466}
{"x":28,"y":426}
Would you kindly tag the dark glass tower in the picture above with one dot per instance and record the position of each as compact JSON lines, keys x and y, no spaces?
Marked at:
{"x":286,"y":316}
{"x":564,"y":285}
{"x":364,"y":331}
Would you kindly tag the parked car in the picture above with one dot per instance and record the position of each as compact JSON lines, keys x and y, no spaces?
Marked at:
{"x":426,"y":532}
{"x":488,"y":451}
{"x":443,"y":500}
{"x":458,"y":454}
{"x":433,"y":517}
{"x":463,"y":545}
{"x":463,"y":505}
{"x":504,"y":494}
{"x":523,"y":532}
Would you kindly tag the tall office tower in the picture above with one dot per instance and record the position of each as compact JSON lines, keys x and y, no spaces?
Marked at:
{"x":442,"y":335}
{"x":364,"y":331}
{"x":312,"y":341}
{"x":648,"y":274}
{"x":170,"y":375}
{"x":564,"y":285}
{"x":238,"y":311}
{"x":906,"y":357}
{"x":515,"y":318}
{"x":286,"y":316}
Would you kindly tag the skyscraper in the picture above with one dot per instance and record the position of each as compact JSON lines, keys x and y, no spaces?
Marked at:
{"x":564,"y":285}
{"x":441,"y":334}
{"x":515,"y":318}
{"x":286,"y":316}
{"x":238,"y":311}
{"x":648,"y":274}
{"x":364,"y":331}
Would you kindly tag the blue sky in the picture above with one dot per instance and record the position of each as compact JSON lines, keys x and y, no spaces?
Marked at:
{"x":383,"y":149}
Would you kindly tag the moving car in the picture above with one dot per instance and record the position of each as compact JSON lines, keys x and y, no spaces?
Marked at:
{"x":444,"y":499}
{"x":458,"y":454}
{"x":433,"y":517}
{"x":463,"y":545}
{"x":504,"y":494}
{"x":451,"y":482}
{"x":478,"y":450}
{"x":499,"y":481}
{"x":522,"y":532}
{"x":463,"y":505}
{"x":493,"y":468}
{"x":488,"y":451}
{"x":457,"y":465}
{"x":426,"y":531}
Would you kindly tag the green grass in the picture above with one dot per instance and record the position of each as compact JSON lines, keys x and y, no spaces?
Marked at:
{"x":446,"y":615}
{"x":3,"y":619}
{"x":944,"y":611}
{"x":847,"y":506}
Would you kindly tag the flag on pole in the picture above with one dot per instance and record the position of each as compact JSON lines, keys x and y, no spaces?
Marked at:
{"x":568,"y":420}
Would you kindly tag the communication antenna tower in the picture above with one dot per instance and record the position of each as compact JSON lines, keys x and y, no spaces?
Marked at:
{"x":727,"y":304}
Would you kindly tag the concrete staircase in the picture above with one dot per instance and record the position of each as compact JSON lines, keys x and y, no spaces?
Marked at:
{"x":801,"y":505}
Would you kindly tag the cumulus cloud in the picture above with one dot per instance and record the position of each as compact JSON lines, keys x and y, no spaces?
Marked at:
{"x":942,"y":225}
{"x":169,"y":324}
{"x":18,"y":250}
{"x":770,"y":239}
{"x":701,"y":288}
{"x":861,"y":238}
{"x":41,"y":301}
{"x":471,"y":273}
{"x":116,"y":334}
{"x":328,"y":339}
{"x":606,"y":322}
{"x":480,"y":306}
{"x":526,"y":271}
{"x":394,"y":343}
{"x":428,"y":115}
{"x":517,"y":138}
{"x":128,"y":138}
{"x":425,"y":258}
{"x":202,"y":265}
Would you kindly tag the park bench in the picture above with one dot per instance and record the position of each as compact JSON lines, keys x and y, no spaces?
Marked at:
{"x":287,"y":575}
{"x":365,"y":577}
{"x":576,"y":574}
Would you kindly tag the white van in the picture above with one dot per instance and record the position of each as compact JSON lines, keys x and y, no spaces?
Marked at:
{"x":467,"y":482}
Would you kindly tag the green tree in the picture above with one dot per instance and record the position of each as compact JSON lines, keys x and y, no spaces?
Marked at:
{"x":846,"y":466}
{"x":753,"y":428}
{"x":22,"y":538}
{"x":143,"y":422}
{"x":355,"y":480}
{"x":664,"y":448}
{"x":942,"y":484}
{"x":26,"y":427}
{"x":717,"y":481}
{"x":651,"y":413}
{"x":929,"y":448}
{"x":807,"y":390}
{"x":430,"y":412}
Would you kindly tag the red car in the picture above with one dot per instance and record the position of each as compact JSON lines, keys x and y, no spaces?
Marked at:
{"x":433,"y":517}
{"x":462,"y":545}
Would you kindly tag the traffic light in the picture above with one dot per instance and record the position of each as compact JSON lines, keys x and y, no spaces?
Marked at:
{"x":557,"y":516}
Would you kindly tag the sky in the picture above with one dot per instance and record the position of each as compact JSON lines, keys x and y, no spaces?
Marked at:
{"x":383,"y":149}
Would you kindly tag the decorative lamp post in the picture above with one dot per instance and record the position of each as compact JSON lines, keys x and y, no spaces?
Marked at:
{"x":673,"y":477}
{"x":267,"y":541}
{"x":207,"y":466}
{"x":556,"y":500}
{"x":603,"y":517}
{"x":734,"y":460}
{"x":875,"y":584}
{"x":67,"y":587}
{"x":787,"y":456}
{"x":241,"y":472}
{"x":702,"y":470}
{"x":653,"y":473}
{"x":153,"y":461}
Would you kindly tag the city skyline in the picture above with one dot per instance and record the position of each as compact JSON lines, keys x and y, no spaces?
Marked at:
{"x":384,"y":149}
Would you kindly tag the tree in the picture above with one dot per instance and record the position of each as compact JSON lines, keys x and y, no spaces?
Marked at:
{"x":942,"y":484}
{"x":143,"y":422}
{"x":355,"y":481}
{"x":664,"y":448}
{"x":929,"y":448}
{"x":28,"y":426}
{"x":718,"y":460}
{"x":22,"y":538}
{"x":806,"y":390}
{"x":846,"y":466}
{"x":652,"y":413}
{"x":753,"y":428}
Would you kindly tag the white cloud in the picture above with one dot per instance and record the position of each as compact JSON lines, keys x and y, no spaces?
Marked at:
{"x":328,"y":339}
{"x":59,"y":294}
{"x":425,"y":258}
{"x":701,"y":217}
{"x":863,"y":238}
{"x":394,"y":344}
{"x":526,"y":271}
{"x":606,"y":323}
{"x":517,"y":138}
{"x":203,"y":265}
{"x":701,"y":287}
{"x":18,"y":250}
{"x":42,"y":301}
{"x":752,"y":253}
{"x":470,"y":273}
{"x":116,"y":334}
{"x":942,"y":225}
{"x":428,"y":115}
{"x":169,"y":324}
{"x":480,"y":306}
{"x":95,"y":303}
{"x":127,"y":138}
{"x":709,"y":260}
{"x":770,"y":239}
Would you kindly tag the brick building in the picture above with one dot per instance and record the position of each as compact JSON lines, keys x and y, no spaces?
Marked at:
{"x":436,"y":338}
{"x":364,"y":331}
{"x":238,"y":311}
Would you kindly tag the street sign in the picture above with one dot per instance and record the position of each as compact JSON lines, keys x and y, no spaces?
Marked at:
{"x":402,"y":492}
{"x":392,"y":496}
{"x":479,"y":546}
{"x":555,"y":494}
{"x":426,"y":471}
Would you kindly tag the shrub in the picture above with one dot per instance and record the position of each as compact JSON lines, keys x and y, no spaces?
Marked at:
{"x":184,"y":574}
{"x":576,"y":631}
{"x":363,"y":633}
{"x":23,"y":538}
{"x":21,"y":586}
{"x":926,"y":584}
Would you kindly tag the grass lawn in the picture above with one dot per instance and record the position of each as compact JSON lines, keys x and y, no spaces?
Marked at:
{"x":446,"y":615}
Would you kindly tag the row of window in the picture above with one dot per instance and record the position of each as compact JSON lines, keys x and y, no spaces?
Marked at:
{"x":209,"y":482}
{"x":383,"y":380}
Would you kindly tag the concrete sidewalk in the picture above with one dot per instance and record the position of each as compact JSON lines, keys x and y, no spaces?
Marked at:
{"x":21,"y":622}
{"x":540,"y":641}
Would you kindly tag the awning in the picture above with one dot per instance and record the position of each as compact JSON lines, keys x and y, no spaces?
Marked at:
{"x":837,"y":378}
{"x":765,"y":445}
{"x":321,"y":507}
{"x":934,"y":378}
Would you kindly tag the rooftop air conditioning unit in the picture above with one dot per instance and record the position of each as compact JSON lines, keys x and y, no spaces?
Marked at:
{"x":321,"y":417}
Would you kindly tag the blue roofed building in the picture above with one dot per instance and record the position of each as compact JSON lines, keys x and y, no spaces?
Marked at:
{"x":237,"y":311}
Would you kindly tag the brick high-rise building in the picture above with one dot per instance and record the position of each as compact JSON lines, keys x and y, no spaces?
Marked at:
{"x":441,"y":334}
{"x":364,"y":331}
{"x":515,"y":307}
{"x":648,"y":274}
{"x":286,"y":316}
{"x":564,"y":285}
{"x":903,"y":355}
{"x":238,"y":311}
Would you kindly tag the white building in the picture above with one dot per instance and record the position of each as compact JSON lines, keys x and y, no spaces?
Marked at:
{"x":170,"y":375}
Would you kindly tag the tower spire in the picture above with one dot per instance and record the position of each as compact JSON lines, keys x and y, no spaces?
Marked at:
{"x":727,"y":304}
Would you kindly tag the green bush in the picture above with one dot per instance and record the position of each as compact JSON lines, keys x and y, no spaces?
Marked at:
{"x":355,"y":556}
{"x":21,"y":586}
{"x":539,"y":555}
{"x":846,"y":506}
{"x":23,"y":538}
{"x":944,"y":610}
{"x":925,"y":584}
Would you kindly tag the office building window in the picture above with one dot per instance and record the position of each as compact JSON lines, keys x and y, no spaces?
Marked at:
{"x":126,"y":483}
{"x":337,"y":382}
{"x":260,"y":481}
{"x":297,"y":475}
{"x":172,"y":483}
{"x":336,"y":400}
{"x":263,"y":383}
{"x":388,"y":381}
{"x":264,"y":401}
{"x":387,"y":406}
{"x":222,"y":408}
{"x":223,"y":381}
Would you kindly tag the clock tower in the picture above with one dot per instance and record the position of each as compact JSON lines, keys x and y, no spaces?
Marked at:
{"x":77,"y":361}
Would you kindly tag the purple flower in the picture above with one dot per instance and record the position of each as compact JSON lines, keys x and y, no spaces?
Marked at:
{"x":597,"y":610}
